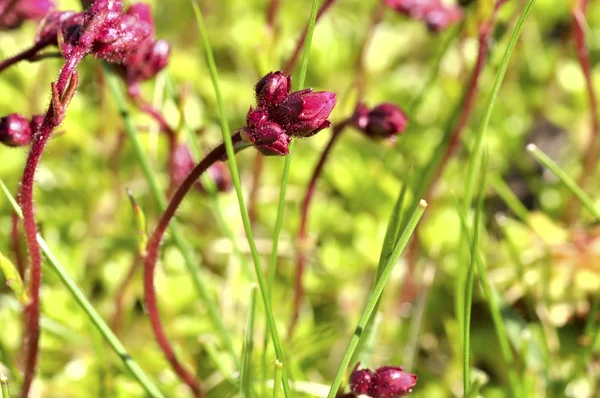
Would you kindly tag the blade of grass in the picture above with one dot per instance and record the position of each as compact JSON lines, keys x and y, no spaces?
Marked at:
{"x":262,"y":284}
{"x":565,"y":179}
{"x":185,"y":248}
{"x":245,"y":374}
{"x":277,"y":380}
{"x":374,"y":296}
{"x":88,"y":308}
{"x":492,"y":299}
{"x":4,"y":386}
{"x":508,"y":196}
{"x":470,"y":280}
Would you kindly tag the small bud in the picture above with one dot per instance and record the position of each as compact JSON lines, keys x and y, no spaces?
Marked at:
{"x":142,"y":12}
{"x":15,"y":130}
{"x":391,"y":382}
{"x":360,"y":380}
{"x":304,"y":113}
{"x":272,"y":89}
{"x":435,"y":13}
{"x":14,"y":13}
{"x":219,"y":173}
{"x":145,"y":63}
{"x":267,"y":137}
{"x":55,"y":22}
{"x":440,"y":18}
{"x":384,"y":121}
{"x":360,"y":118}
{"x":116,"y":41}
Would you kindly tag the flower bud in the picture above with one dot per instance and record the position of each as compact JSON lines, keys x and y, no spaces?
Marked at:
{"x":440,"y":18}
{"x":391,"y":382}
{"x":384,"y":121}
{"x":219,"y":173}
{"x":55,"y":22}
{"x":304,"y":113}
{"x":145,"y":63}
{"x":142,"y":12}
{"x":272,"y":89}
{"x":435,"y":13}
{"x":15,"y":130}
{"x":360,"y":380}
{"x":116,"y":41}
{"x":267,"y":137}
{"x":14,"y":13}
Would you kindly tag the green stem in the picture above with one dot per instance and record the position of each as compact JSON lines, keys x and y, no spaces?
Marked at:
{"x":246,"y":371}
{"x":262,"y":284}
{"x":374,"y":297}
{"x":190,"y":261}
{"x":88,"y":308}
{"x":277,"y":380}
{"x":4,"y":386}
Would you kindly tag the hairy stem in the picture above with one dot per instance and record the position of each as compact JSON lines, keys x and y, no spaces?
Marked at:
{"x":52,"y":119}
{"x":152,"y":256}
{"x":302,"y":232}
{"x":31,"y":54}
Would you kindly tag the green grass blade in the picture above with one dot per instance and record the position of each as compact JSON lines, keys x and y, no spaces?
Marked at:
{"x":508,"y":196}
{"x":494,"y":306}
{"x":277,"y":380}
{"x":489,"y":106}
{"x":541,"y":157}
{"x":187,"y":252}
{"x":246,"y":371}
{"x":93,"y":315}
{"x":374,"y":297}
{"x":4,"y":386}
{"x":470,"y":281}
{"x":262,"y":284}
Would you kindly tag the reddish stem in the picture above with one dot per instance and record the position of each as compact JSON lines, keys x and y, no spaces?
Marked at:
{"x":16,"y":244}
{"x":289,"y":66}
{"x":271,"y":13}
{"x":28,"y":55}
{"x":302,"y":231}
{"x":157,"y":116}
{"x":152,"y":255}
{"x":578,"y":15}
{"x":32,"y":310}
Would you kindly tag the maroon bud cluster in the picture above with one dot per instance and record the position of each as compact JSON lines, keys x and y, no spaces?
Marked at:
{"x":16,"y":130}
{"x":123,"y":38}
{"x":434,"y":13}
{"x":386,"y":120}
{"x":181,"y":163}
{"x":14,"y":12}
{"x":282,"y":115}
{"x":384,"y":382}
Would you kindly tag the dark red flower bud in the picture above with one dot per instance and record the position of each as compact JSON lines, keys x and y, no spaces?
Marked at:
{"x":391,"y":382}
{"x":435,"y":13}
{"x":272,"y":89}
{"x":304,"y":113}
{"x":117,"y":40}
{"x":142,"y":12}
{"x":145,"y":63}
{"x":360,"y":380}
{"x":384,"y":121}
{"x":14,"y":13}
{"x":15,"y":130}
{"x":267,"y":137}
{"x":360,"y":118}
{"x":219,"y":173}
{"x":97,"y":19}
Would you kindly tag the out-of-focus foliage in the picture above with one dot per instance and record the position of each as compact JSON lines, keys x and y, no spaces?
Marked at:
{"x":84,"y":213}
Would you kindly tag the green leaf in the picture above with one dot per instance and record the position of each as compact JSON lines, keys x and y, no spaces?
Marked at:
{"x":13,"y":279}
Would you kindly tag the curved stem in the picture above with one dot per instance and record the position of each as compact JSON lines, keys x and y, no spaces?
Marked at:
{"x":289,"y":66}
{"x":302,"y":231}
{"x":152,"y":256}
{"x":154,"y":113}
{"x":30,"y":54}
{"x":591,"y":155}
{"x":32,"y":310}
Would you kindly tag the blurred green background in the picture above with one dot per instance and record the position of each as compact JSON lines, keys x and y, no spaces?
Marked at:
{"x":85,"y":216}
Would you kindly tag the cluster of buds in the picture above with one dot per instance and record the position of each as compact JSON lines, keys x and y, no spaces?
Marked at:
{"x":181,"y":163}
{"x":14,"y":12}
{"x":386,"y":120}
{"x":123,"y":38}
{"x":16,"y":130}
{"x":281,"y":115}
{"x":437,"y":15}
{"x":384,"y":382}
